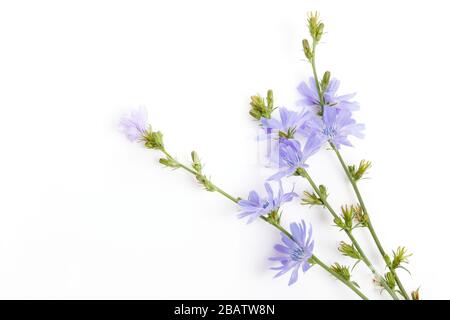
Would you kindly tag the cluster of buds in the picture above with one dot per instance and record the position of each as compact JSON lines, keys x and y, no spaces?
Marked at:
{"x":313,"y":199}
{"x":260,"y":107}
{"x":153,"y":140}
{"x":201,"y":178}
{"x":344,"y":272}
{"x":315,"y":27}
{"x":349,"y":251}
{"x":358,"y":172}
{"x":399,"y":259}
{"x":349,"y":215}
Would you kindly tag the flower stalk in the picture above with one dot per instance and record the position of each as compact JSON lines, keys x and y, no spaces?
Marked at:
{"x":314,"y":258}
{"x":320,"y":91}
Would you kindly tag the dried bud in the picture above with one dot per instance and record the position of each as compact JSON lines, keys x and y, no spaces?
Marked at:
{"x":415,"y":294}
{"x":360,"y":217}
{"x":307,"y":49}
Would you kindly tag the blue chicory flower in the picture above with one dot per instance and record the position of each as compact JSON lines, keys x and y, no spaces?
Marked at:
{"x":335,"y":126}
{"x":311,"y":96}
{"x":134,"y":125}
{"x":296,"y":251}
{"x":291,"y":156}
{"x":290,"y":122}
{"x":257,"y":206}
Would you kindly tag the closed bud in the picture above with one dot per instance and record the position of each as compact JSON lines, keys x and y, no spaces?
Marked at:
{"x":196,"y":164}
{"x":323,"y":192}
{"x":390,"y":280}
{"x":269,"y":99}
{"x":325,"y":81}
{"x":307,"y":49}
{"x":347,"y":214}
{"x":169,"y":162}
{"x":319,"y":32}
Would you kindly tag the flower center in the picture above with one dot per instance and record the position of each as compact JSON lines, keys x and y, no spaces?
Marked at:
{"x":297,"y":254}
{"x":330,"y":132}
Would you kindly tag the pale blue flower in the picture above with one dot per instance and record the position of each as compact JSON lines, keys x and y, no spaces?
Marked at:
{"x":134,"y":125}
{"x":296,"y":251}
{"x":257,"y":206}
{"x":336,"y":126}
{"x":311,"y":96}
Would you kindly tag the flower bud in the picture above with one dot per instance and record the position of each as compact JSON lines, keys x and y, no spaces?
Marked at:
{"x":168,"y":162}
{"x":349,"y":250}
{"x":269,"y":99}
{"x":319,"y":32}
{"x":325,"y":81}
{"x":307,"y":49}
{"x":196,"y":164}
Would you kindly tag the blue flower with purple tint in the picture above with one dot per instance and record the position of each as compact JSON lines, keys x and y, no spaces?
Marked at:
{"x":335,"y":126}
{"x":257,"y":206}
{"x":296,"y":251}
{"x":291,"y":156}
{"x":134,"y":125}
{"x":311,"y":96}
{"x":290,"y":122}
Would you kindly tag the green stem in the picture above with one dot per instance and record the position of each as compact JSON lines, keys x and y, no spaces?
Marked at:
{"x":369,"y":223}
{"x":351,"y":237}
{"x":372,"y":231}
{"x":339,"y":277}
{"x":323,"y":265}
{"x":279,"y":227}
{"x":316,"y":78}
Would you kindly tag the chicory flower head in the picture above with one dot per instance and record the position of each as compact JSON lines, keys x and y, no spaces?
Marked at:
{"x":134,"y":125}
{"x":290,"y":122}
{"x":296,"y":251}
{"x":291,"y":156}
{"x":257,"y":206}
{"x":335,"y":126}
{"x":311,"y":96}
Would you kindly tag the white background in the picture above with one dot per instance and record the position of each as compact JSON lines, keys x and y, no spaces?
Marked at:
{"x":86,"y":214}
